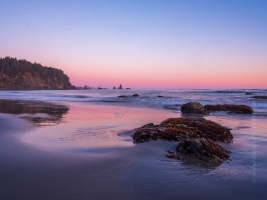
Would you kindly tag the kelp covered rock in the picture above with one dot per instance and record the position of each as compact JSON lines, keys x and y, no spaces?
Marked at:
{"x":204,"y":149}
{"x":178,"y":129}
{"x":239,"y":109}
{"x":194,"y":107}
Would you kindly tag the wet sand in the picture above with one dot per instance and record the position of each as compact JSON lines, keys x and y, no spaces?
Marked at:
{"x":89,"y":154}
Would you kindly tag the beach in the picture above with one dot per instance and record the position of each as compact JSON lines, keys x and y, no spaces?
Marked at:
{"x":78,"y":145}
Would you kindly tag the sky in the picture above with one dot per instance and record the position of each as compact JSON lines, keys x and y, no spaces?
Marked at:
{"x":142,"y":44}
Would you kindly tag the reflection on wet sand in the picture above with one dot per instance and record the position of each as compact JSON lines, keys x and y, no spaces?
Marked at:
{"x":37,"y":112}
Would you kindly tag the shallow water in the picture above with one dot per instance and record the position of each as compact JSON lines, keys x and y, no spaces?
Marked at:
{"x":86,"y":150}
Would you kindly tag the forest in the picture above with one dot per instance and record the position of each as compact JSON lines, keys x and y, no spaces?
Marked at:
{"x":15,"y":70}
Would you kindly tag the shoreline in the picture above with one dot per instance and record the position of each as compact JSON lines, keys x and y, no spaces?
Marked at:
{"x":38,"y":165}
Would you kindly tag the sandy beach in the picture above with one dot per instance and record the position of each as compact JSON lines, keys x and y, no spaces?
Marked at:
{"x":88,"y":153}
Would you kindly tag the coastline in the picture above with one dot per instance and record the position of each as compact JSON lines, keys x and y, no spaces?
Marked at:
{"x":101,"y":164}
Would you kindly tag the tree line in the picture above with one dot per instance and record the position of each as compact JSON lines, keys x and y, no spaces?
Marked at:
{"x":13,"y":67}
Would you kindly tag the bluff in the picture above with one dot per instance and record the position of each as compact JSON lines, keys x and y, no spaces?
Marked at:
{"x":24,"y":75}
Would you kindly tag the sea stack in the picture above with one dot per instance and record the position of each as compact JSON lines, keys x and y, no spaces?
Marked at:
{"x":86,"y":87}
{"x":120,"y":87}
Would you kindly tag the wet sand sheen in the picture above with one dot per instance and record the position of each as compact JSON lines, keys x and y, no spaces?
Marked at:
{"x":90,"y":155}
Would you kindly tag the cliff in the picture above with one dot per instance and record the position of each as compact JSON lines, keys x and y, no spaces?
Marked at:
{"x":24,"y":75}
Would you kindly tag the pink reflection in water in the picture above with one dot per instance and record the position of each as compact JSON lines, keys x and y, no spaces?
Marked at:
{"x":91,"y":127}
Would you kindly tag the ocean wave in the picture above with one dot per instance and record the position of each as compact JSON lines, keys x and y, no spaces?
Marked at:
{"x":230,"y":91}
{"x":172,"y":107}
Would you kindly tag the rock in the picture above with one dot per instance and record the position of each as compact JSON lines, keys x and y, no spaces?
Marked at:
{"x":260,"y":97}
{"x":114,"y":88}
{"x":178,"y":129}
{"x":194,"y":107}
{"x":128,"y":88}
{"x":204,"y":149}
{"x":150,"y":125}
{"x":122,"y":96}
{"x":135,"y":95}
{"x":239,"y":109}
{"x":120,"y":87}
{"x":160,"y":96}
{"x":248,"y":93}
{"x":86,"y":87}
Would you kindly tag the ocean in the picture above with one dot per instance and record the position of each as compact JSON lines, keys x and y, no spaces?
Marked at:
{"x":76,"y":144}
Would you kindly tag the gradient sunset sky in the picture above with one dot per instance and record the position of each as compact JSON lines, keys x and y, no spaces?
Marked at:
{"x":142,"y":43}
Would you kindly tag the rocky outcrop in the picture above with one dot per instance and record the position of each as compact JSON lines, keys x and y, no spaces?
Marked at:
{"x":203,"y":149}
{"x":114,"y":88}
{"x":86,"y":87}
{"x":178,"y":129}
{"x":194,"y":107}
{"x":239,"y":109}
{"x":259,"y":97}
{"x":122,"y":96}
{"x":23,"y":75}
{"x":120,"y":87}
{"x":135,"y":95}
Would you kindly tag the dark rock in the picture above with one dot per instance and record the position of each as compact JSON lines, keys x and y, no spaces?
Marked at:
{"x":260,"y":97}
{"x":239,"y":109}
{"x":122,"y":96}
{"x":204,"y":149}
{"x":183,"y":128}
{"x":120,"y":87}
{"x":150,"y":125}
{"x":128,"y":88}
{"x":160,"y":96}
{"x":86,"y":87}
{"x":135,"y":95}
{"x":170,"y":154}
{"x":114,"y":88}
{"x":248,"y":93}
{"x":194,"y":107}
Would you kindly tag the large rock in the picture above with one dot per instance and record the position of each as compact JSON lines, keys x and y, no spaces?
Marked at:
{"x":260,"y":97}
{"x":183,"y":128}
{"x":204,"y":149}
{"x":239,"y":109}
{"x":135,"y":95}
{"x":194,"y":107}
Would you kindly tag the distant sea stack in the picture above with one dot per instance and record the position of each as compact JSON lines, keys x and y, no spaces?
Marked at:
{"x":24,"y":75}
{"x":120,"y":87}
